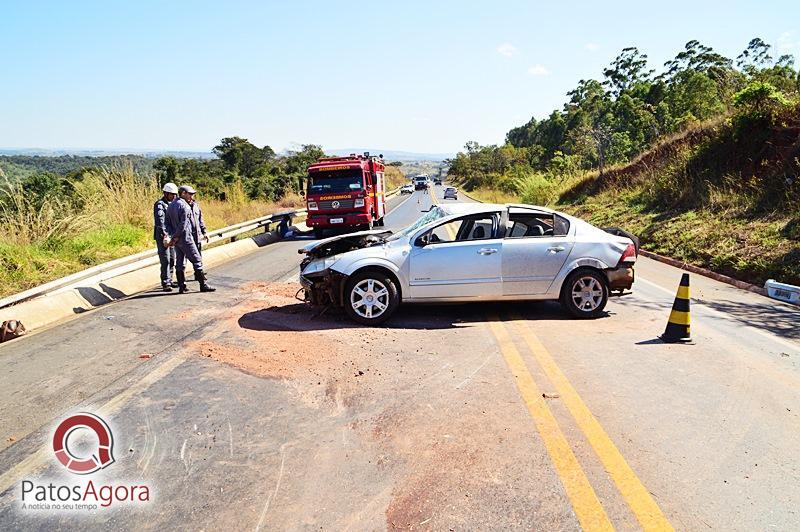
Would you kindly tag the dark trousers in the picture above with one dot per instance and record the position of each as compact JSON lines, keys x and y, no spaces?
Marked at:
{"x":188,"y":250}
{"x":167,"y":258}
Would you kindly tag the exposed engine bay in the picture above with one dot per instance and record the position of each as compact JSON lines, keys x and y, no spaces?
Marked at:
{"x":321,"y":285}
{"x":343,"y":244}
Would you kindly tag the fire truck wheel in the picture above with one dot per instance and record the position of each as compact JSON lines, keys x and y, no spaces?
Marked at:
{"x":318,"y":233}
{"x":370,"y":297}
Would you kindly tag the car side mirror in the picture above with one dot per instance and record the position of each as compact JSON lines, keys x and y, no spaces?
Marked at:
{"x":423,"y":240}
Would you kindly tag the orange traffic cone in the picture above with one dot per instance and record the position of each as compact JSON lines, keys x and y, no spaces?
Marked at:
{"x":678,"y":329}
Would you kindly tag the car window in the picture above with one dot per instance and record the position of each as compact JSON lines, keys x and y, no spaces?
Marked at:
{"x":534,"y":224}
{"x":476,"y":227}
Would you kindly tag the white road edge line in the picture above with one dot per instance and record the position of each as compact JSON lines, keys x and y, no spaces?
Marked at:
{"x":770,"y":336}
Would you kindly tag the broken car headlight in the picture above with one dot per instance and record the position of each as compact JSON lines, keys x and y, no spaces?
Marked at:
{"x":320,"y":265}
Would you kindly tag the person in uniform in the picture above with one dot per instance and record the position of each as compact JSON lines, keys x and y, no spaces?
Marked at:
{"x":165,"y":254}
{"x":184,"y":228}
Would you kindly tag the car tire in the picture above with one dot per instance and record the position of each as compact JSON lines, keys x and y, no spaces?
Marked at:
{"x":366,"y":313}
{"x":319,"y":233}
{"x":584,"y":294}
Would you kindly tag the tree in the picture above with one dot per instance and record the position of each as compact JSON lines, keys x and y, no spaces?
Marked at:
{"x":698,"y":57}
{"x":239,"y":155}
{"x":167,"y":169}
{"x":761,"y":100}
{"x":692,"y":96}
{"x":755,"y":56}
{"x":628,"y":69}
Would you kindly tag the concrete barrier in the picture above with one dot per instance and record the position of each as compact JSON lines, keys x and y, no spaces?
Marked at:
{"x":68,"y":297}
{"x":70,"y":301}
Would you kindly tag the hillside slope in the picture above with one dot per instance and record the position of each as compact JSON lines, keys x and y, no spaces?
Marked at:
{"x":724,"y":195}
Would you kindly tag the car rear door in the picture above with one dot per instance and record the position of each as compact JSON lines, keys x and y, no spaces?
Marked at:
{"x":535,"y":248}
{"x":461,"y":258}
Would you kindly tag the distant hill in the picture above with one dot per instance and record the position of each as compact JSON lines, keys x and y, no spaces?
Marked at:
{"x":392,"y":155}
{"x":151,"y":154}
{"x":18,"y":166}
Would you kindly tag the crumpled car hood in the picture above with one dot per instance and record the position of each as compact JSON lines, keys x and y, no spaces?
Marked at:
{"x":343,"y":243}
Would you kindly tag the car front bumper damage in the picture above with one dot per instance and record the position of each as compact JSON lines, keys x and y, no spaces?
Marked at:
{"x":324,"y":287}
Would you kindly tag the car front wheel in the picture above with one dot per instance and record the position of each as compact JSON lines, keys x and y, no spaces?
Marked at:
{"x":585,"y":294}
{"x":371,"y":297}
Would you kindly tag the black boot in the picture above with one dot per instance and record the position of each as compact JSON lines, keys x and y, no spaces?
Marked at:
{"x":201,"y":278}
{"x":166,"y":287}
{"x":182,"y":288}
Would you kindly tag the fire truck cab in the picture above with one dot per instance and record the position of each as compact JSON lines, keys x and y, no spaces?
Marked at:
{"x":345,"y":192}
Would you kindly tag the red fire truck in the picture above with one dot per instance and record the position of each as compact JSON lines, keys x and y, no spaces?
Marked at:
{"x":345,"y":192}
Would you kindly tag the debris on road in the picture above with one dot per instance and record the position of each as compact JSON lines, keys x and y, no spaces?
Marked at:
{"x":550,"y":395}
{"x":11,"y":329}
{"x":146,"y":355}
{"x":782,"y":291}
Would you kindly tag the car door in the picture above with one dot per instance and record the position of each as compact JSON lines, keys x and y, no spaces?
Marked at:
{"x":459,"y":258}
{"x":535,"y":248}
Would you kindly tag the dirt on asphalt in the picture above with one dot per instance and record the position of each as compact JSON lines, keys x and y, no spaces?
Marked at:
{"x":389,"y":380}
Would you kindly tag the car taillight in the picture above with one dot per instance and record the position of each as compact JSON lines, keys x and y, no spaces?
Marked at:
{"x":629,"y":255}
{"x":359,"y":202}
{"x":312,"y":206}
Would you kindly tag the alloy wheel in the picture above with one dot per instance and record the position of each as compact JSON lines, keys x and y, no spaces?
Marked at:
{"x":587,"y":293}
{"x":369,"y":298}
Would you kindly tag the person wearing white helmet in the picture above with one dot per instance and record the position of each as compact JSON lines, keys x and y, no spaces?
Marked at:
{"x":166,"y":254}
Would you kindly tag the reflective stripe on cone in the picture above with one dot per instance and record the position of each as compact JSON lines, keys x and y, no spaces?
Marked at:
{"x":678,"y":327}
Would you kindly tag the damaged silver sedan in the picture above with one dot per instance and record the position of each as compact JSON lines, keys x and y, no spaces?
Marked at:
{"x":470,"y":252}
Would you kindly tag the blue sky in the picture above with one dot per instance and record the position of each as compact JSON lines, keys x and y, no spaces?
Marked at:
{"x":417,"y":76}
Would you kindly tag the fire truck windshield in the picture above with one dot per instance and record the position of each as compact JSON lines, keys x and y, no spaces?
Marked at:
{"x":335,"y":181}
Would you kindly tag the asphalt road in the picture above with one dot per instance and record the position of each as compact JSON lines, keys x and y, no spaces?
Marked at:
{"x":244,"y":410}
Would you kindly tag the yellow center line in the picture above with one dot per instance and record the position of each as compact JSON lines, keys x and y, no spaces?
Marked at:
{"x":588,"y":509}
{"x":630,"y":487}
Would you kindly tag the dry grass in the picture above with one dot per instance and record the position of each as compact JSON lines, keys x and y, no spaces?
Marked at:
{"x":490,"y":195}
{"x":394,"y":177}
{"x":109,"y":216}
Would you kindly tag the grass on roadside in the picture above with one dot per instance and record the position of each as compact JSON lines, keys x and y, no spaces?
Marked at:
{"x":108,"y":216}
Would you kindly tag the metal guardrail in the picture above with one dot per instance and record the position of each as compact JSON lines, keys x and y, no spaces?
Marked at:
{"x":140,"y":260}
{"x":149,"y":257}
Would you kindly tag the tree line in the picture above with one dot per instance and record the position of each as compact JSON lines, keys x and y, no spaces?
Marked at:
{"x":239,"y":165}
{"x":262,"y":173}
{"x":608,"y":121}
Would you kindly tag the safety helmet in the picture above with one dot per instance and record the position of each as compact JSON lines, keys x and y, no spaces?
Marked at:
{"x":171,"y":188}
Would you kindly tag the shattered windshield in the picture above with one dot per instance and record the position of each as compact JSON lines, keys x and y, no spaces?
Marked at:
{"x":430,"y":216}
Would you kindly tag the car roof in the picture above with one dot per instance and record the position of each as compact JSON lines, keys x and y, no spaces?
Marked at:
{"x":475,"y":208}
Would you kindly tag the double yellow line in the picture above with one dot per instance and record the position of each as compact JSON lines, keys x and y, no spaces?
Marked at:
{"x":588,"y":508}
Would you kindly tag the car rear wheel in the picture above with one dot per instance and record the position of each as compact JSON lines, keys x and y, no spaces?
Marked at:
{"x":370,"y":297}
{"x":585,"y":293}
